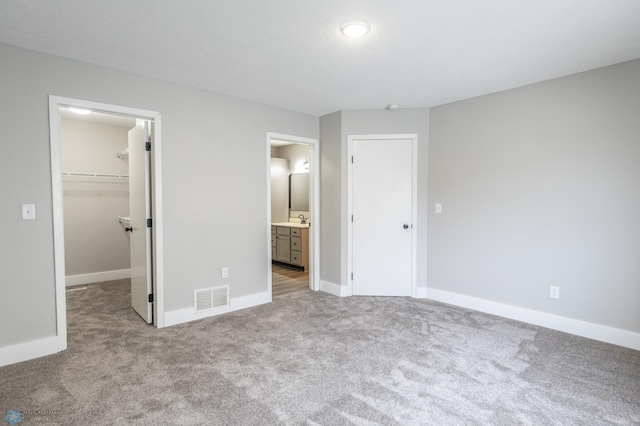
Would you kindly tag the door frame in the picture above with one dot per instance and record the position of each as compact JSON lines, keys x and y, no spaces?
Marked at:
{"x":314,"y":207}
{"x":413,"y":137}
{"x":55,"y":102}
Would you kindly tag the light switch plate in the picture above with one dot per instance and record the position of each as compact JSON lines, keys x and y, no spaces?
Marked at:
{"x":438,"y":208}
{"x":28,"y":212}
{"x":224,"y":272}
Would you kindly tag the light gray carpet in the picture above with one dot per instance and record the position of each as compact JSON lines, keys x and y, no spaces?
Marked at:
{"x":312,"y":358}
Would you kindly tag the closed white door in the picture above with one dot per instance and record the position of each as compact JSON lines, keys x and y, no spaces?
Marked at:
{"x":140,"y":212}
{"x":381,"y":238}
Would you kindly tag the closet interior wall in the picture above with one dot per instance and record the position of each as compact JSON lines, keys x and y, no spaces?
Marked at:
{"x":96,"y":244}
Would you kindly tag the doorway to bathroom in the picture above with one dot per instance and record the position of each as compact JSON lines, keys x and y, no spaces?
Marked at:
{"x":293,"y":220}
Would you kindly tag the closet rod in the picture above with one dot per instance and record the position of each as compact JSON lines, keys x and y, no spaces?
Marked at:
{"x":124,"y":155}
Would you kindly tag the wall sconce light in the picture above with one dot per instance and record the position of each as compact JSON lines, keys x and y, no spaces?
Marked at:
{"x":301,"y":167}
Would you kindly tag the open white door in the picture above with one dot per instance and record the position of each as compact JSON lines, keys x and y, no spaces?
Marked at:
{"x":140,"y":212}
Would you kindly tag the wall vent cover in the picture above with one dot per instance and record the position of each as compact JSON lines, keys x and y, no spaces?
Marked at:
{"x":207,"y":299}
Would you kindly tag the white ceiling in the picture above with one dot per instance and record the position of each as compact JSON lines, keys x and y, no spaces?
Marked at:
{"x":290,"y":53}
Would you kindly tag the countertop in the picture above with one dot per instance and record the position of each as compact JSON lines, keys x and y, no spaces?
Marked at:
{"x":291,"y":224}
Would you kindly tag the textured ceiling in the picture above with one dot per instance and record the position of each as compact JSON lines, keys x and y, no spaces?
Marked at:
{"x":290,"y":53}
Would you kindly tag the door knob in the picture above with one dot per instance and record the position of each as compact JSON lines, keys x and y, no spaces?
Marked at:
{"x":405,"y":226}
{"x":128,"y":229}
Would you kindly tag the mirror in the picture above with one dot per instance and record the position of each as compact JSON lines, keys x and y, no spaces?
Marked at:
{"x":299,"y":191}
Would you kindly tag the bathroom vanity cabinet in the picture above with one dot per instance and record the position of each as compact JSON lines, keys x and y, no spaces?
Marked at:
{"x":290,"y":244}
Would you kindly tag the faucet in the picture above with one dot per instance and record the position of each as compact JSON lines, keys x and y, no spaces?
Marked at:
{"x":302,"y":219}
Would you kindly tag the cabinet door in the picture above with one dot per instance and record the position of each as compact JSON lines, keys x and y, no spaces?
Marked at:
{"x":283,"y":248}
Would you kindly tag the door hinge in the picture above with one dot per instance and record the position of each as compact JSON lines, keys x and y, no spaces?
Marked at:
{"x":151,"y":298}
{"x":147,"y":146}
{"x":149,"y":223}
{"x":351,"y":218}
{"x":352,"y":159}
{"x":352,"y":276}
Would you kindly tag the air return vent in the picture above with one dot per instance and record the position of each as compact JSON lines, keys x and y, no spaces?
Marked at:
{"x":210,"y":298}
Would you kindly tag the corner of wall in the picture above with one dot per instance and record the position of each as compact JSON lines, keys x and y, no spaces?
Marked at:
{"x":335,"y":289}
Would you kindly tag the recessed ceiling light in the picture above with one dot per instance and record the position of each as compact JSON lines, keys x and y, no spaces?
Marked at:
{"x":355,"y":28}
{"x":80,"y":111}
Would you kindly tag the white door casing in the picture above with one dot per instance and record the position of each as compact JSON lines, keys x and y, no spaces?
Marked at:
{"x":381,"y":222}
{"x":55,"y":103}
{"x":314,"y":206}
{"x":139,"y":212}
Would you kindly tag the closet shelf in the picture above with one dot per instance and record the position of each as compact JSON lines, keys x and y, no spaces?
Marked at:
{"x":94,"y":177}
{"x":101,"y":175}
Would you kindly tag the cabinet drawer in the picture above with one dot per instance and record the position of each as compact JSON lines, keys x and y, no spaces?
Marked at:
{"x":296,"y":232}
{"x":273,"y":230}
{"x":273,"y":253}
{"x":273,"y":241}
{"x":296,"y":258}
{"x":283,"y":230}
{"x":295,"y":243}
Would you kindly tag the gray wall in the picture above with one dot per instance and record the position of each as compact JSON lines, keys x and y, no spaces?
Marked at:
{"x":94,"y":241}
{"x":540,"y":186}
{"x":331,"y":198}
{"x":334,"y":132}
{"x":214,"y":175}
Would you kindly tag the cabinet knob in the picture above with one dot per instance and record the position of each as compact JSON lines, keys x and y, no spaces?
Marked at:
{"x":405,"y":226}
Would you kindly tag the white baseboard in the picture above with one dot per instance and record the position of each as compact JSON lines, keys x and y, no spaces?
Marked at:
{"x":29,"y":350}
{"x":603,"y":333}
{"x":335,"y":289}
{"x":421,"y":293}
{"x":97,"y":277}
{"x":188,"y":314}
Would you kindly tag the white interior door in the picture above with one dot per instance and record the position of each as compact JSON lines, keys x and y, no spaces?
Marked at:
{"x":139,"y":212}
{"x":381,"y":192}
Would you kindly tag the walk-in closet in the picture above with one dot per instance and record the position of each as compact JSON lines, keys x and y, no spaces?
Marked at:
{"x":95,"y":174}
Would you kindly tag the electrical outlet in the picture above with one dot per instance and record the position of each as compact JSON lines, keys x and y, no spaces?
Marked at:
{"x":438,"y":208}
{"x":224,"y":272}
{"x":28,"y":212}
{"x":554,"y":292}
